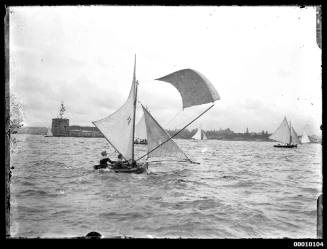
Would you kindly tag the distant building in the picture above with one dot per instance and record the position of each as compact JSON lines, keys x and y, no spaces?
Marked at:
{"x":61,"y":128}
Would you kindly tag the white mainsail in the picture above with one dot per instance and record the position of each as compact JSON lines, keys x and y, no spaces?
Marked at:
{"x":118,"y":127}
{"x":295,"y":137}
{"x":305,"y":138}
{"x":282,"y":134}
{"x":198,"y":135}
{"x":160,"y":143}
{"x":285,"y":133}
{"x":49,"y":132}
{"x":140,"y":129}
{"x":194,"y":87}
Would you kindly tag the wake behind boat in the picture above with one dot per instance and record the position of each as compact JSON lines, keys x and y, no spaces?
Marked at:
{"x":285,"y":134}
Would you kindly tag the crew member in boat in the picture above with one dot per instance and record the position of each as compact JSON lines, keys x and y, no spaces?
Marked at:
{"x":105,"y":159}
{"x":119,"y":164}
{"x":133,"y":164}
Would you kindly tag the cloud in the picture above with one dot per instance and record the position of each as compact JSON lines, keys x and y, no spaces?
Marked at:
{"x":264,"y":62}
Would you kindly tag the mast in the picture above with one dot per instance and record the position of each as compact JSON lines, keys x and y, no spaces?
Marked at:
{"x":134,"y":111}
{"x":134,"y":107}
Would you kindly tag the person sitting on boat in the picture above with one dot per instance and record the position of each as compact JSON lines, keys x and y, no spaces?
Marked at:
{"x":119,"y":164}
{"x":105,"y":159}
{"x":133,"y":164}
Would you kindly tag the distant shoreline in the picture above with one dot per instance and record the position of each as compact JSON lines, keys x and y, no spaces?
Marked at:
{"x":222,"y":139}
{"x":212,"y":135}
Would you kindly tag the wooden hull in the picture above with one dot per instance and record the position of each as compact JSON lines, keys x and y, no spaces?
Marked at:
{"x":138,"y":170}
{"x":285,"y":145}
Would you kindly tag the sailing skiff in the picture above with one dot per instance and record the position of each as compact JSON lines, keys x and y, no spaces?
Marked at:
{"x":120,"y":130}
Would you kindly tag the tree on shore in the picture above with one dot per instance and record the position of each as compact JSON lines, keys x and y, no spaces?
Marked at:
{"x":16,"y":119}
{"x":16,"y":114}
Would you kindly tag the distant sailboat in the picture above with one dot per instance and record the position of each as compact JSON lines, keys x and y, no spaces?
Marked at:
{"x":200,"y":135}
{"x":120,"y":131}
{"x":305,"y":139}
{"x":49,"y":133}
{"x":140,"y":132}
{"x":285,"y":134}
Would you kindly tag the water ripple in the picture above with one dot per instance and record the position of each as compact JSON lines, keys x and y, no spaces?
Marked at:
{"x":239,"y":190}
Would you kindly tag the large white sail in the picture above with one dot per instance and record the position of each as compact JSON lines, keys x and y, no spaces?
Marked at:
{"x":198,"y":134}
{"x":305,"y":139}
{"x":282,"y":134}
{"x":194,"y":87}
{"x":295,"y":137}
{"x":140,"y":129}
{"x":118,"y":127}
{"x":156,"y":136}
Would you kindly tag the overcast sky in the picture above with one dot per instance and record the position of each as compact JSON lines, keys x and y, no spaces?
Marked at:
{"x":263,"y":61}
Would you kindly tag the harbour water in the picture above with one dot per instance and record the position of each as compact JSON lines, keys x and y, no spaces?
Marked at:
{"x":239,"y":190}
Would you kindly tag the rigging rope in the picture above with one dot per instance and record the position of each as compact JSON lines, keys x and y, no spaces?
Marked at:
{"x":177,"y":134}
{"x":165,"y":125}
